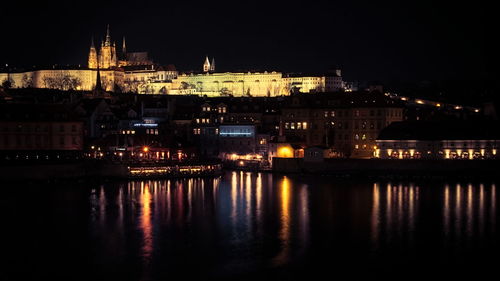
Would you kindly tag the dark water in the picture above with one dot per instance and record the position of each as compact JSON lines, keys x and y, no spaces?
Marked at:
{"x":250,"y":226}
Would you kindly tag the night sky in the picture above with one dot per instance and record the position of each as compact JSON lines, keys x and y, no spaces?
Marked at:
{"x":370,"y":41}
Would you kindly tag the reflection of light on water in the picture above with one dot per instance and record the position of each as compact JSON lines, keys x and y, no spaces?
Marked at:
{"x":470,"y":215}
{"x":248,"y":200}
{"x":446,"y":210}
{"x":458,"y":210}
{"x":190,"y":198}
{"x":145,"y":223}
{"x":467,"y":219}
{"x":493,"y":207}
{"x":102,"y":206}
{"x":258,"y":199}
{"x":234,"y":194}
{"x":284,"y":233}
{"x":481,"y":209}
{"x":388,"y":210}
{"x":169,"y":202}
{"x":119,"y":202}
{"x":399,"y":198}
{"x":411,"y":212}
{"x":375,"y":221}
{"x":215,"y":186}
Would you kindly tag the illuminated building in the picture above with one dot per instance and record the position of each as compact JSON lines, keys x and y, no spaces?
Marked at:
{"x":439,"y":140}
{"x":348,"y":123}
{"x":134,"y":72}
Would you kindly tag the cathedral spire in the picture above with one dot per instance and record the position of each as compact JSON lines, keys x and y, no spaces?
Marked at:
{"x":108,"y":37}
{"x":92,"y":62}
{"x":212,"y":65}
{"x":124,"y":47}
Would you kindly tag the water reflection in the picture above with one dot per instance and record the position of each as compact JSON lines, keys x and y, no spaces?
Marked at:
{"x":146,"y":224}
{"x":284,"y":233}
{"x":397,"y":214}
{"x":245,"y":220}
{"x":468,"y":216}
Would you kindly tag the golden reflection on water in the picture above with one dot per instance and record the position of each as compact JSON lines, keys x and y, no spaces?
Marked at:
{"x":248,"y":201}
{"x":258,"y":200}
{"x":446,"y":210}
{"x":396,"y":211}
{"x":493,"y":207}
{"x":458,"y":210}
{"x":375,"y":220}
{"x":467,"y":211}
{"x":471,"y":213}
{"x":284,"y":233}
{"x":234,"y":198}
{"x":145,"y":221}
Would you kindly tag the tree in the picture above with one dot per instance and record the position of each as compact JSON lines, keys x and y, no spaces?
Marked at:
{"x":27,"y":81}
{"x":8,"y":83}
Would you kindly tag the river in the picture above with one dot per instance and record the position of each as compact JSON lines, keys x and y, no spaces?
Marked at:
{"x":250,"y":226}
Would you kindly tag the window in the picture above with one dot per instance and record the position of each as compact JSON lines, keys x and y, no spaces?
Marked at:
{"x":304,"y":125}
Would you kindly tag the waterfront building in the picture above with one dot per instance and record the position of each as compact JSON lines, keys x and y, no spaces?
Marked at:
{"x":458,"y":139}
{"x":350,"y":123}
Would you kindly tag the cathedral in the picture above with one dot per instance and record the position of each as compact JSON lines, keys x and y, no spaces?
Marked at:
{"x":106,"y":57}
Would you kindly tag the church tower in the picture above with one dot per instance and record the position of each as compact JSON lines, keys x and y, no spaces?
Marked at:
{"x":107,"y":54}
{"x":92,"y":56}
{"x":206,"y":65}
{"x":212,"y":65}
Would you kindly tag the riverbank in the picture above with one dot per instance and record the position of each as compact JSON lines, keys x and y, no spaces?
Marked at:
{"x":342,"y":168}
{"x":390,"y":168}
{"x":103,"y":169}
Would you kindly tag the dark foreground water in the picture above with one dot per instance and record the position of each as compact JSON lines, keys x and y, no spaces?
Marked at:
{"x":250,"y":226}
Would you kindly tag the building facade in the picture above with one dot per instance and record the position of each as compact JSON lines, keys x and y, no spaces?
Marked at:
{"x":466,"y":140}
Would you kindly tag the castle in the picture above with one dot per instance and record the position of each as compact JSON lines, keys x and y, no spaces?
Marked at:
{"x":133,"y":72}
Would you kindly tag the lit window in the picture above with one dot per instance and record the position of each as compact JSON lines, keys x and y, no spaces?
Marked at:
{"x":304,"y":125}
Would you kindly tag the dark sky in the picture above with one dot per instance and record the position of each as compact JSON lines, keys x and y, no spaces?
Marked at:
{"x":370,"y":41}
